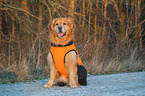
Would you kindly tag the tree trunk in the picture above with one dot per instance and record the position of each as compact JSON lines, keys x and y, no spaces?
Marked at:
{"x":24,"y":18}
{"x":25,"y":21}
{"x":71,"y":9}
{"x":96,"y":29}
{"x":1,"y":1}
{"x":89,"y":26}
{"x":104,"y":37}
{"x":25,"y":7}
{"x":95,"y":32}
{"x":127,"y":16}
{"x":39,"y":30}
{"x":140,"y":31}
{"x":83,"y":20}
{"x":13,"y":21}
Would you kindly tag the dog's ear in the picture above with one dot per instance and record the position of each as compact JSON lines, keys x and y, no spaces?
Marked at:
{"x":51,"y":25}
{"x":73,"y":27}
{"x":72,"y":24}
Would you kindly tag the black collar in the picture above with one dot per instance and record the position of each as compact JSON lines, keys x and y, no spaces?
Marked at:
{"x":54,"y":45}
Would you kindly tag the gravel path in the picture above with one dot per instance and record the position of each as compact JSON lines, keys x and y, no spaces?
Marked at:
{"x":123,"y":84}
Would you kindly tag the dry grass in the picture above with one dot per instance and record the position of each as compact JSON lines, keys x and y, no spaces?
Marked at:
{"x":111,"y":62}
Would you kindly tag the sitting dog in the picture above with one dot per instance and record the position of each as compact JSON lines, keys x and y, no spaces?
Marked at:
{"x":65,"y":64}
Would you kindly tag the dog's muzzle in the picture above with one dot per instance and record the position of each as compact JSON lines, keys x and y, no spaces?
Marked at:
{"x":61,"y":31}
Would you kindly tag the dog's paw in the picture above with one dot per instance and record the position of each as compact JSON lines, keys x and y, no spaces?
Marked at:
{"x":73,"y":86}
{"x":47,"y":85}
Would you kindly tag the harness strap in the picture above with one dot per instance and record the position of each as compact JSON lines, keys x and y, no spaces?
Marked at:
{"x":55,"y":45}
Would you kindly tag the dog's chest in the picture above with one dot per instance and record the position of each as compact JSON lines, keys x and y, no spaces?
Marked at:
{"x":58,"y":54}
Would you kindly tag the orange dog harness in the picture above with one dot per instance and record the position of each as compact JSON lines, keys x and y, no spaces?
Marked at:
{"x":59,"y":52}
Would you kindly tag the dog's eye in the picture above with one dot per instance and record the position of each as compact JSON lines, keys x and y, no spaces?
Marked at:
{"x":64,"y":23}
{"x":56,"y":23}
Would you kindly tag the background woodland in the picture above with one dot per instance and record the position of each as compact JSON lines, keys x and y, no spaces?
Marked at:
{"x":109,"y":35}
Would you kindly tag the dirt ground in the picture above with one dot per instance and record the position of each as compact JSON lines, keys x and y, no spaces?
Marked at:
{"x":123,"y":84}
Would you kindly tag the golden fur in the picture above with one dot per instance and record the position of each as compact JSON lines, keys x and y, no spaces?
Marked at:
{"x":61,"y":33}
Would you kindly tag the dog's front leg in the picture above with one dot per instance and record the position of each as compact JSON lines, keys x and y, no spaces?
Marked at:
{"x":53,"y":72}
{"x":71,"y":67}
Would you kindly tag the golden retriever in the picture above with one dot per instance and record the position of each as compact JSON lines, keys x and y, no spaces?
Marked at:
{"x":63,"y":57}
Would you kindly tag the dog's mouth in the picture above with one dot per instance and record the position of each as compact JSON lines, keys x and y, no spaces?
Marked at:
{"x":61,"y":34}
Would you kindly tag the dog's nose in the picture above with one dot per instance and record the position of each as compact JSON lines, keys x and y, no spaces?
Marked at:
{"x":60,"y":28}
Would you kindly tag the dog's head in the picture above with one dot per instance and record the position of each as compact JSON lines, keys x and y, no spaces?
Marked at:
{"x":62,"y":28}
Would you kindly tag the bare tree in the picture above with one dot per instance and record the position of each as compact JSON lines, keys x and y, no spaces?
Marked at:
{"x":71,"y":9}
{"x":1,"y":22}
